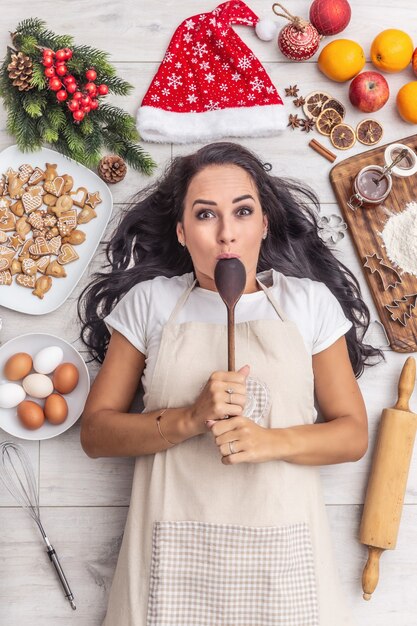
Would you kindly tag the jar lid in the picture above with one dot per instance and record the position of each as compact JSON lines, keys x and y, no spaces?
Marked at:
{"x":407,"y":166}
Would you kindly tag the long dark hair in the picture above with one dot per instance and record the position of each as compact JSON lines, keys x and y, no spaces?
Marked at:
{"x":145,"y":245}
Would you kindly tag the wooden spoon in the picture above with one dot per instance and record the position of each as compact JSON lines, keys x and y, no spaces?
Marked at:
{"x":230,"y":280}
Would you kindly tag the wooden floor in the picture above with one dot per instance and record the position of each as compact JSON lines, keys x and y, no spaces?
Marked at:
{"x":83,"y":501}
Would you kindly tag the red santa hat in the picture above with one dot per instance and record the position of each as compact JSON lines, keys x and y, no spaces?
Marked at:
{"x":210,"y":85}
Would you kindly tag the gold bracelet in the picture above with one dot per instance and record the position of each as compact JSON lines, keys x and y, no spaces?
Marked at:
{"x":158,"y":419}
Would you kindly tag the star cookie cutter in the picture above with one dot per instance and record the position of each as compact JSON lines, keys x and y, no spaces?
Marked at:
{"x":389,"y":277}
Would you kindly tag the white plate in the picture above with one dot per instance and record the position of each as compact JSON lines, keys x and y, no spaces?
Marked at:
{"x":32,"y":343}
{"x":21,"y":298}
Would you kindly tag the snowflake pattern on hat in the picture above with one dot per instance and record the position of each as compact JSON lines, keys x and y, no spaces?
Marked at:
{"x":209,"y":84}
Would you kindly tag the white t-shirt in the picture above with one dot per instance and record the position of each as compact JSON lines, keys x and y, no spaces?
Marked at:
{"x":144,"y":310}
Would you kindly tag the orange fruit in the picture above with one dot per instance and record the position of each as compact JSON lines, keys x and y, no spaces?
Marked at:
{"x":407,"y":102}
{"x":341,"y":60}
{"x":391,"y":50}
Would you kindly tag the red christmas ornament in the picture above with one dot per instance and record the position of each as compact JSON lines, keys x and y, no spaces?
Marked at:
{"x":78,"y":115}
{"x":61,"y":95}
{"x":103,"y":90}
{"x":73,"y":105}
{"x":60,"y":55}
{"x":91,"y":74}
{"x":49,"y":72}
{"x":330,"y":16}
{"x":299,"y":40}
{"x":55,"y":84}
{"x":61,"y":70}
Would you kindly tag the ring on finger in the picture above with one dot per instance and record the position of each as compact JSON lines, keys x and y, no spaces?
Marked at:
{"x":230,"y":392}
{"x":231,"y":447}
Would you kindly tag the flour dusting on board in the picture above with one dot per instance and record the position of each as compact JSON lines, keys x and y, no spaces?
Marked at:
{"x":400,"y":239}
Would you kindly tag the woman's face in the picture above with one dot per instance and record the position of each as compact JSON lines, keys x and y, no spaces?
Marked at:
{"x":222,"y":218}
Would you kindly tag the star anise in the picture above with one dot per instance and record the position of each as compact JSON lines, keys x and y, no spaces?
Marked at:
{"x":299,"y":101}
{"x":307,"y":124}
{"x":294,"y":121}
{"x":292,"y":91}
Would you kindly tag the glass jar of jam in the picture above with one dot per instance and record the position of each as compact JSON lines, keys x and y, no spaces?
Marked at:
{"x":369,"y":188}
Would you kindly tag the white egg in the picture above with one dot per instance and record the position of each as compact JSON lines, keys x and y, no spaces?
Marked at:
{"x":38,"y":385}
{"x":11,"y":395}
{"x":47,"y":359}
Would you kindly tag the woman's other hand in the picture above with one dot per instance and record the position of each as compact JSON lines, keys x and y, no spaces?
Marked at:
{"x":242,"y":441}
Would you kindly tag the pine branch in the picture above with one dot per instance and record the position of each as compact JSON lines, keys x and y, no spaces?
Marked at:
{"x":118,"y":121}
{"x":30,"y":25}
{"x":87,"y":126}
{"x":56,"y":116}
{"x":117,"y":85}
{"x":135,"y":156}
{"x":38,"y":79}
{"x":28,"y":44}
{"x":34,"y":103}
{"x":85,"y":57}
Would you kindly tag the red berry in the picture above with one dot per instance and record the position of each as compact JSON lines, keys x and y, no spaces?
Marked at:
{"x":55,"y":84}
{"x":85,"y":101}
{"x":77,"y":95}
{"x":103,"y":90}
{"x":61,"y":70}
{"x":70,"y":78}
{"x":61,"y":95}
{"x":94,"y":104}
{"x":91,"y":74}
{"x":47,"y":52}
{"x":68,"y":53}
{"x":71,"y":87}
{"x":60,"y":55}
{"x":47,"y":61}
{"x":73,"y":105}
{"x":49,"y":72}
{"x":90,"y":88}
{"x":78,"y":115}
{"x":86,"y":109}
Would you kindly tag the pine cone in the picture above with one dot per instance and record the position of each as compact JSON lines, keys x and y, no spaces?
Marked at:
{"x":20,"y":71}
{"x":112,"y":168}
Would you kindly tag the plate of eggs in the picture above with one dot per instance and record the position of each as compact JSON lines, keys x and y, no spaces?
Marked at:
{"x":44,"y":383}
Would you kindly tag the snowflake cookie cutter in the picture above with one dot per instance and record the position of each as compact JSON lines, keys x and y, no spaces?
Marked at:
{"x":332,"y":228}
{"x":398,"y":312}
{"x":389,"y":277}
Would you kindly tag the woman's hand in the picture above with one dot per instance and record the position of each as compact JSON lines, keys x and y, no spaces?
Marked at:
{"x":242,"y":441}
{"x":224,"y":394}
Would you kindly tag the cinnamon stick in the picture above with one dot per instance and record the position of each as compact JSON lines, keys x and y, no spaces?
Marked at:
{"x":318,"y":147}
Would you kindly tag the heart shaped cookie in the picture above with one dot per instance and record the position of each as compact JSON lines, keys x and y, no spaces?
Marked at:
{"x":67,"y":255}
{"x":79,"y":197}
{"x":40,"y":247}
{"x":32,"y":199}
{"x":54,"y":186}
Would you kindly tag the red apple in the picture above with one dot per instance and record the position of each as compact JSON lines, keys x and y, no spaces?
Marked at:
{"x":330,"y":16}
{"x":414,"y":61}
{"x":369,"y":91}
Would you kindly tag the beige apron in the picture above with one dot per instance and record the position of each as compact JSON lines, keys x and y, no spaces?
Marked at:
{"x":212,"y":545}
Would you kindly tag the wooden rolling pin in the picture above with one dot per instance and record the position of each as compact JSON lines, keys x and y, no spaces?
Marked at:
{"x":388,"y":478}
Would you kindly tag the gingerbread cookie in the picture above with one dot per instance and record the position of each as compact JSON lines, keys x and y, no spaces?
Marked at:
{"x":32,"y":199}
{"x":79,"y":197}
{"x":67,"y":254}
{"x":42,"y":285}
{"x":26,"y":281}
{"x":5,"y":277}
{"x":36,"y":177}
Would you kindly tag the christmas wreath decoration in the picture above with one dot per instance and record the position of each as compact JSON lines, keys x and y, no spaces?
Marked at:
{"x":54,"y":93}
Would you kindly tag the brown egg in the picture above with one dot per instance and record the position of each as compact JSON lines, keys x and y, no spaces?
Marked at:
{"x":30,"y":414}
{"x":56,"y":409}
{"x":18,"y":366}
{"x":65,"y":378}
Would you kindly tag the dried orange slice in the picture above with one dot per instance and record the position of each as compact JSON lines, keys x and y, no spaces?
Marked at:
{"x":369,"y":132}
{"x":336,"y":105}
{"x":342,"y":136}
{"x":314,"y":102}
{"x":327,"y":120}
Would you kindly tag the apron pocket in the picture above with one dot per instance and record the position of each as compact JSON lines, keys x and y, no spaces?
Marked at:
{"x":228,"y":575}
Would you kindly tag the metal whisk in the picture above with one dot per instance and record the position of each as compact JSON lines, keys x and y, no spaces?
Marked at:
{"x":17,"y":474}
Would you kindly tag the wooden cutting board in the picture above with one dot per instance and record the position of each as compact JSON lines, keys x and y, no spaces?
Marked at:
{"x":364,"y":226}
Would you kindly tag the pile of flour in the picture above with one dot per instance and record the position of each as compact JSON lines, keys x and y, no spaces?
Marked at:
{"x":400,"y":239}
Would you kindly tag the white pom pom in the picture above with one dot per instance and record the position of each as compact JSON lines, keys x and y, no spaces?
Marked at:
{"x":266,"y":29}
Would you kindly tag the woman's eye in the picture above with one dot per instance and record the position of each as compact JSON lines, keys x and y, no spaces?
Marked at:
{"x":204,"y":215}
{"x":244,"y":210}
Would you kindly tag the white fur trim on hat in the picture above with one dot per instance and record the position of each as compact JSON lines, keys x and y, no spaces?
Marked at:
{"x":164,"y":126}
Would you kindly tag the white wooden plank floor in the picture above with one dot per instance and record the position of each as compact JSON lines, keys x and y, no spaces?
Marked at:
{"x":83,"y":501}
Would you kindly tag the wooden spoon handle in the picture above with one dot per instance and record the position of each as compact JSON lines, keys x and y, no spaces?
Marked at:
{"x":231,"y":339}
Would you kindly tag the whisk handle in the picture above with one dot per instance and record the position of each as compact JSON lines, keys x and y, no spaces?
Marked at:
{"x":55,"y":561}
